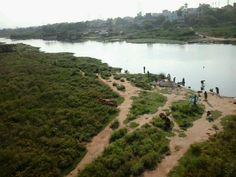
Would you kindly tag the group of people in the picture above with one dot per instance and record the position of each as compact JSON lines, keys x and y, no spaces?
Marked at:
{"x":211,"y":90}
{"x":209,"y":116}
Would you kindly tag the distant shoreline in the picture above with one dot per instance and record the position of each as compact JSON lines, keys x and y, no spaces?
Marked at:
{"x":205,"y":40}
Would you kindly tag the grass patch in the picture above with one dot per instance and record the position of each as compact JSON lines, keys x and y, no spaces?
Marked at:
{"x":185,"y":114}
{"x":145,"y":103}
{"x":215,"y":157}
{"x":49,"y":110}
{"x":131,"y":155}
{"x":133,"y":125}
{"x":216,"y":114}
{"x":143,"y":81}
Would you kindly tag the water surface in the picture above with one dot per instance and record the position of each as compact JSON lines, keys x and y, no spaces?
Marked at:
{"x":215,"y":63}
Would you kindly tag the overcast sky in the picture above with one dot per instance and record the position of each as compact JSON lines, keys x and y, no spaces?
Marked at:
{"x":19,"y":13}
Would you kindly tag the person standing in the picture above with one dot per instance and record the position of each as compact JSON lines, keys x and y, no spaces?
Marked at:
{"x":205,"y":95}
{"x":217,"y":91}
{"x":183,"y":82}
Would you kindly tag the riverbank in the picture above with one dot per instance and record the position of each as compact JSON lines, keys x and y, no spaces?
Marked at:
{"x":200,"y":40}
{"x":213,"y":40}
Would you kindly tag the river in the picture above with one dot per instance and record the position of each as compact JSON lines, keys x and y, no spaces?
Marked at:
{"x":215,"y":63}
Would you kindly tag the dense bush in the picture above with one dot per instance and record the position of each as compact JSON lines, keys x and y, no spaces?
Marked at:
{"x":115,"y":124}
{"x":160,"y":123}
{"x":119,"y":87}
{"x":213,"y":158}
{"x":118,"y":134}
{"x":130,"y":155}
{"x":49,"y":109}
{"x":185,"y":113}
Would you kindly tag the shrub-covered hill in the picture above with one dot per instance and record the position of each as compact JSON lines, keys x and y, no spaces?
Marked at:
{"x":50,"y":107}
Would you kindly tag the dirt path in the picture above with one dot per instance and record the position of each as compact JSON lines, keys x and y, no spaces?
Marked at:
{"x":200,"y":131}
{"x":101,"y":140}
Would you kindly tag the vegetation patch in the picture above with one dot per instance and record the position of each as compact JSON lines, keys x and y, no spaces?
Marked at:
{"x":160,"y":123}
{"x":114,"y":125}
{"x":49,"y":109}
{"x":227,"y":31}
{"x":216,"y":114}
{"x":118,"y":134}
{"x":145,"y":103}
{"x":185,"y":113}
{"x":215,"y":157}
{"x":119,"y":87}
{"x":133,"y":124}
{"x":131,"y":155}
{"x":143,"y":81}
{"x":117,"y":76}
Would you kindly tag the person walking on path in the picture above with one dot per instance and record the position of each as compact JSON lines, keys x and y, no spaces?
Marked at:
{"x":209,"y":116}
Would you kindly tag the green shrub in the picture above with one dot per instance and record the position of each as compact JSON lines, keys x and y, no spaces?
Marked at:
{"x":120,"y":87}
{"x":133,"y":125}
{"x":122,"y":80}
{"x":160,"y":123}
{"x":114,"y":125}
{"x":118,"y":134}
{"x":117,"y":77}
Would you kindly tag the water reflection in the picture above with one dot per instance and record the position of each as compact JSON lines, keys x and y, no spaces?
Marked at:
{"x":150,"y":46}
